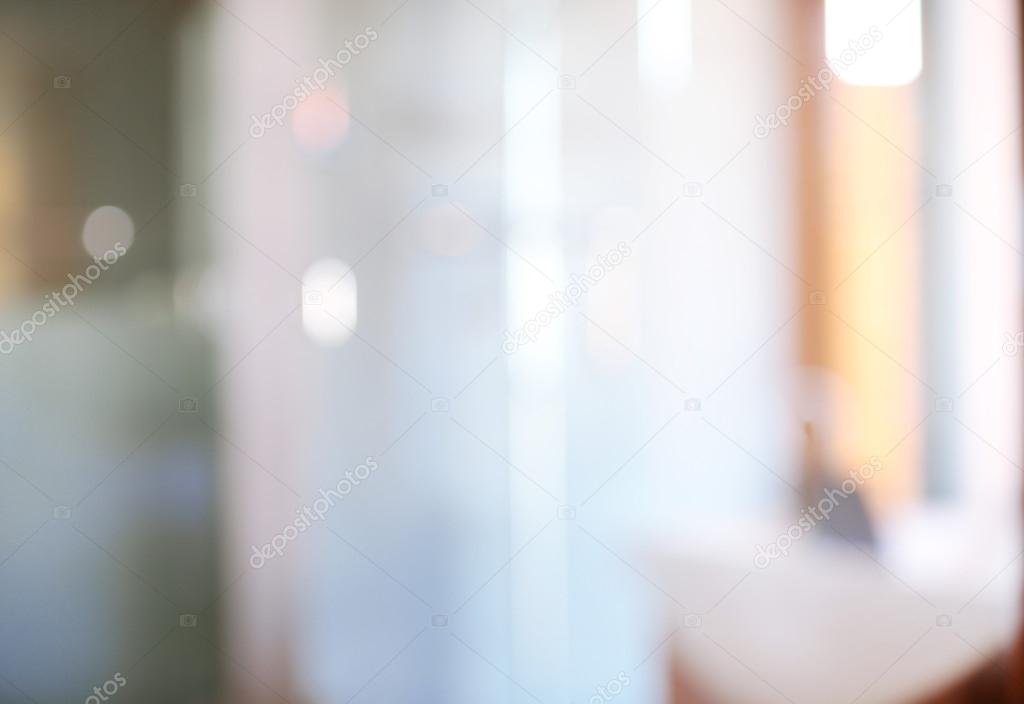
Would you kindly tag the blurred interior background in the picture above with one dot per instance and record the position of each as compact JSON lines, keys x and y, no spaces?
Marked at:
{"x":575,"y":305}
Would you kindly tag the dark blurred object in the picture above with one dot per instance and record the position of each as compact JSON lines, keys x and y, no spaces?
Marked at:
{"x":1001,"y":681}
{"x":848,"y":519}
{"x":682,"y":688}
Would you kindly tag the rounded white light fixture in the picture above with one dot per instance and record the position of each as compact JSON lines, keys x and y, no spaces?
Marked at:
{"x":107,"y":227}
{"x":329,"y":302}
